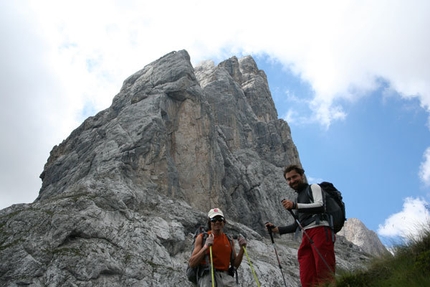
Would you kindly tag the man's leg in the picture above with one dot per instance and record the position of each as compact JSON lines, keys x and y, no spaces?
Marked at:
{"x":325,"y":266}
{"x":307,"y":263}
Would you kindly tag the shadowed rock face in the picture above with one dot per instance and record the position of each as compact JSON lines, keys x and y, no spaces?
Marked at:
{"x":122,"y":193}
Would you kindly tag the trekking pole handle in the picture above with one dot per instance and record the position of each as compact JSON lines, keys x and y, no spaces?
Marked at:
{"x":271,"y":235}
{"x":269,"y":229}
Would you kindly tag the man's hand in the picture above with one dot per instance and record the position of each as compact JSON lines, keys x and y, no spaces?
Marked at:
{"x":271,"y":228}
{"x":242,"y":241}
{"x":288,"y":204}
{"x":210,"y":240}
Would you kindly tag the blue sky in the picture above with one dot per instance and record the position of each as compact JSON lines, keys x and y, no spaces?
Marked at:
{"x":350,"y":77}
{"x":373,"y":156}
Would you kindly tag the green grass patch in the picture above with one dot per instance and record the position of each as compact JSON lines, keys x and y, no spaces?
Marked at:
{"x":409,"y":266}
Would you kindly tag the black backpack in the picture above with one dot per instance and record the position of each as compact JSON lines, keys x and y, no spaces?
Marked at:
{"x":193,"y":273}
{"x":334,"y":205}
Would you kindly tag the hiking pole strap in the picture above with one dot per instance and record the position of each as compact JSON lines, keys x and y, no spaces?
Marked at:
{"x":212,"y":267}
{"x":252,"y":268}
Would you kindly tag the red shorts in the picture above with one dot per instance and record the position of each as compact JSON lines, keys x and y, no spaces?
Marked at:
{"x":316,"y":256}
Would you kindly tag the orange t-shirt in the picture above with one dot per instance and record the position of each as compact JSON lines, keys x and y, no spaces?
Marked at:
{"x":221,"y":252}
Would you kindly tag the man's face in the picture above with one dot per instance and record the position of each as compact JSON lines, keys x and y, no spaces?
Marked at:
{"x":217,"y":223}
{"x":294,"y":179}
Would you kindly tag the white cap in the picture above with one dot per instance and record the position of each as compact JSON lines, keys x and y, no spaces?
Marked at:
{"x":215,"y":212}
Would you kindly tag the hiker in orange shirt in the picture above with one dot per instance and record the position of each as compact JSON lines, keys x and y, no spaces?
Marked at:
{"x":224,"y":258}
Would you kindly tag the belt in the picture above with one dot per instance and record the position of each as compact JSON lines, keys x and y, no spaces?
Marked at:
{"x":219,"y":270}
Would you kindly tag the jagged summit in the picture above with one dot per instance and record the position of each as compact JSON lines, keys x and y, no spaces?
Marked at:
{"x":213,"y":144}
{"x":122,"y":193}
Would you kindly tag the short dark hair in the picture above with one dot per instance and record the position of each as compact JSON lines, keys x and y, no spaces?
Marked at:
{"x":295,"y":167}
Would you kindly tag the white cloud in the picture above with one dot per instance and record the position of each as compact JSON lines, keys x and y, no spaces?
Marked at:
{"x":409,"y":222}
{"x":424,"y":172}
{"x":340,"y":48}
{"x":60,"y":59}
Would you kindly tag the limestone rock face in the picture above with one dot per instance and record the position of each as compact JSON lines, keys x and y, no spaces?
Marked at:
{"x":356,"y":232}
{"x":122,"y":194}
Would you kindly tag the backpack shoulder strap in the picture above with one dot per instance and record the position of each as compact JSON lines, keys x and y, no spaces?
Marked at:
{"x":232,"y":249}
{"x":231,"y":244}
{"x":309,"y":191}
{"x":204,"y":237}
{"x":319,"y":216}
{"x":232,"y":257}
{"x":311,"y":197}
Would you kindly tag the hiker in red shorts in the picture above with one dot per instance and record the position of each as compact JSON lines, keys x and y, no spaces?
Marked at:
{"x":316,"y":253}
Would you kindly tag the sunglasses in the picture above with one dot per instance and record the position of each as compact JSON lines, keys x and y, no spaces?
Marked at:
{"x":218,"y":218}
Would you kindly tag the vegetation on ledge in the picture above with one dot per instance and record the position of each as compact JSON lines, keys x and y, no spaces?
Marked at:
{"x":409,"y":266}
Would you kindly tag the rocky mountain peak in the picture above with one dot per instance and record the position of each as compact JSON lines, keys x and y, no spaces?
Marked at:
{"x":356,"y":232}
{"x":122,"y":194}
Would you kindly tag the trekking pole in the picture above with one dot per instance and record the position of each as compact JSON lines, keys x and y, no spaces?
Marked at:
{"x":212,"y":267}
{"x":310,"y":240}
{"x":250,"y":263}
{"x":276,"y":252}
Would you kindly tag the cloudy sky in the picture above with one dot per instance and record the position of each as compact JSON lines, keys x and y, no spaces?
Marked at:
{"x":352,"y":79}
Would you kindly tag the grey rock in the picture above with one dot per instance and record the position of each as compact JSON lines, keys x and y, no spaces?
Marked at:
{"x":122,"y":195}
{"x":356,"y":232}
